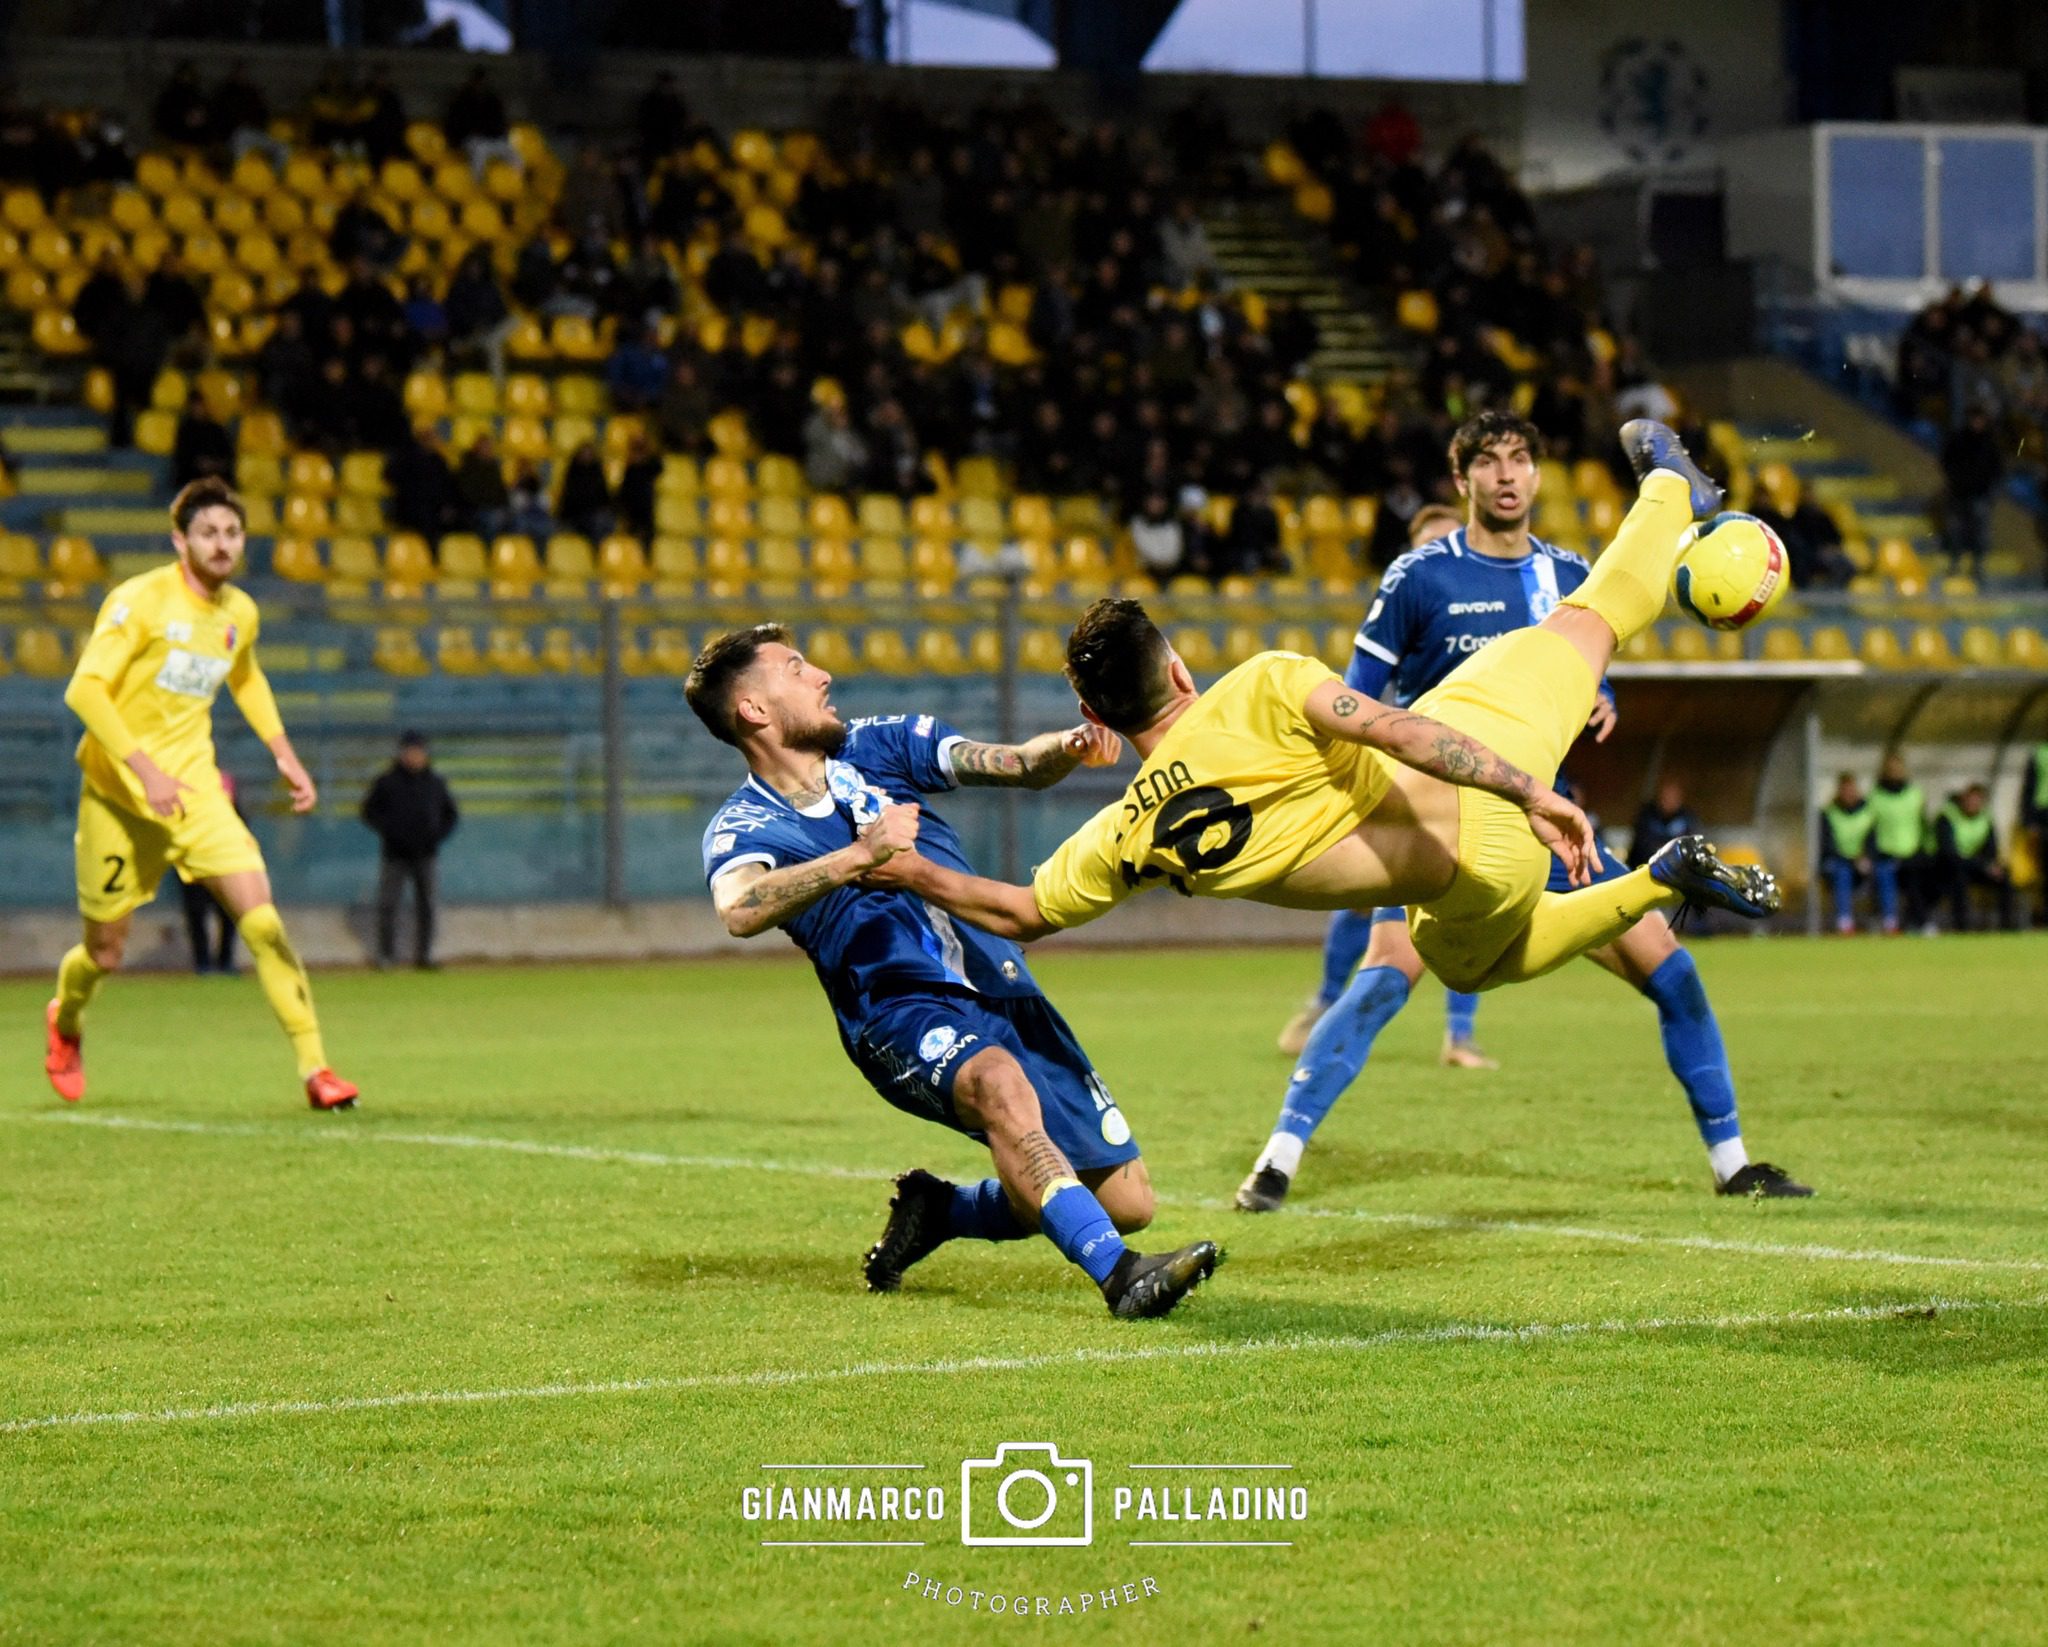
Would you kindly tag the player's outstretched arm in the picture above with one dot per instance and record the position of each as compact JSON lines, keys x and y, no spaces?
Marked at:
{"x":1037,"y":763}
{"x":995,"y":906}
{"x":753,"y":898}
{"x":1444,"y":752}
{"x":258,"y":704}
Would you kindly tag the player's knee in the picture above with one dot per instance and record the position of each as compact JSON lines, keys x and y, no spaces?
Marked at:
{"x":262,"y":927}
{"x":107,"y":949}
{"x":993,"y":1092}
{"x":1391,"y":946}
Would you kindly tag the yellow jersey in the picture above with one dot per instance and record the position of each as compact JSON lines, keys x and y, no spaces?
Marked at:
{"x":162,"y":653}
{"x":1241,"y":792}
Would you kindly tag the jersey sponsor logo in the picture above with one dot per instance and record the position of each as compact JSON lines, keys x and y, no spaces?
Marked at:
{"x":1468,"y":643}
{"x":1464,"y":608}
{"x":178,"y":632}
{"x":936,"y":1041}
{"x":191,"y":676}
{"x":721,"y":844}
{"x":947,"y":1058}
{"x":922,"y":726}
{"x":854,"y":792}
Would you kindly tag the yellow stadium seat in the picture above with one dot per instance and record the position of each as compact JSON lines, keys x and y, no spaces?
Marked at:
{"x":579,"y":396}
{"x":2025,"y":649}
{"x":1880,"y":647}
{"x":574,"y":338}
{"x":881,"y":513}
{"x":234,"y":214}
{"x":475,"y":394}
{"x":307,"y":516}
{"x":979,"y":477}
{"x":1830,"y":644}
{"x":1197,"y":649}
{"x":621,"y":567}
{"x":310,"y":474}
{"x":1687,"y":643}
{"x":781,"y":517}
{"x":779,"y":477}
{"x":981,"y":519}
{"x":668,"y":653}
{"x":463,"y":562}
{"x":568,"y":432}
{"x":563,"y":653}
{"x":362,"y":474}
{"x":42,"y":654}
{"x":396,"y":651}
{"x":830,"y":517}
{"x":1031,"y":516}
{"x":426,"y":397}
{"x":833,"y":561}
{"x":985,"y":651}
{"x":778,"y":561}
{"x":503,"y":181}
{"x":408,"y":566}
{"x":883,"y":652}
{"x":156,"y":432}
{"x":509,"y":652}
{"x":527,"y":395}
{"x":515,"y":566}
{"x":570,"y":563}
{"x":727,"y":477}
{"x":20,"y":562}
{"x":1241,"y":643}
{"x":830,"y":650}
{"x":939,"y":653}
{"x":725,"y":560}
{"x":883,"y":558}
{"x":56,"y":333}
{"x":528,"y":340}
{"x":729,"y":517}
{"x":1040,"y":651}
{"x":931,"y":517}
{"x":1981,"y":649}
{"x":1927,"y":648}
{"x":352,"y":566}
{"x":1783,"y":644}
{"x":298,"y":561}
{"x":679,"y":475}
{"x":482,"y":220}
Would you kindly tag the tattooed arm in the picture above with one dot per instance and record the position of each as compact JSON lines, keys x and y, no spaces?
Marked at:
{"x":753,"y":897}
{"x":1037,"y":763}
{"x":1338,"y":711}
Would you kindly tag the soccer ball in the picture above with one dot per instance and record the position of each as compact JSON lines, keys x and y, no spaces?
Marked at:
{"x":1731,"y":571}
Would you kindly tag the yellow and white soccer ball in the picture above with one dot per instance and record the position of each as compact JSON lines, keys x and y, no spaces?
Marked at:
{"x":1732,"y":571}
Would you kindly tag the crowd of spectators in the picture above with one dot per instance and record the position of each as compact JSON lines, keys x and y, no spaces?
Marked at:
{"x":1148,"y":380}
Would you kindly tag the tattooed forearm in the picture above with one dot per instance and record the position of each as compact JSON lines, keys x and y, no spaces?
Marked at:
{"x":1427,"y":745}
{"x":767,"y":900}
{"x":1038,"y":763}
{"x":1043,"y":1162}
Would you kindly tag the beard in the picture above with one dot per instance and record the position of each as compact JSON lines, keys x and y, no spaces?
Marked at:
{"x":823,"y":736}
{"x":1494,"y":521}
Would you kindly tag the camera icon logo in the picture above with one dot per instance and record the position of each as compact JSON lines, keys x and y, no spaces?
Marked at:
{"x":1036,"y":1496}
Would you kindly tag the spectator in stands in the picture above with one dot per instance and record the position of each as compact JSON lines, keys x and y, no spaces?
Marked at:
{"x":1813,"y":542}
{"x":132,"y":345}
{"x":1252,"y":545}
{"x":383,"y":125}
{"x":1660,"y":821}
{"x":2034,"y":818}
{"x":834,"y":453}
{"x":584,"y":502}
{"x":424,"y":497}
{"x":1156,"y":535}
{"x":181,"y":115}
{"x":732,"y":279}
{"x":424,"y":314}
{"x":479,"y":320}
{"x":285,"y":368}
{"x":646,"y":288}
{"x":1898,"y":832}
{"x":362,"y":235}
{"x":171,"y":293}
{"x":1971,"y":467}
{"x":412,"y":812}
{"x":475,"y":123}
{"x":530,"y":501}
{"x":1965,"y":856}
{"x":637,"y":373}
{"x":100,"y":299}
{"x":238,"y":115}
{"x":895,"y":459}
{"x":202,"y":446}
{"x":480,"y":479}
{"x":1185,"y":251}
{"x":639,"y":484}
{"x":686,"y":410}
{"x":1846,"y":858}
{"x":661,"y":122}
{"x":590,"y":204}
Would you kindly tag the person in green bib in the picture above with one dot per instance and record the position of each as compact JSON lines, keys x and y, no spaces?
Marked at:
{"x":1898,"y":831}
{"x":1846,"y":825}
{"x":1966,"y":855}
{"x":2034,"y":817}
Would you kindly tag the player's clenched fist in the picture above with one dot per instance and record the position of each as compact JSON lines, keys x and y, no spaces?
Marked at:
{"x":893,"y":832}
{"x":1096,"y":745}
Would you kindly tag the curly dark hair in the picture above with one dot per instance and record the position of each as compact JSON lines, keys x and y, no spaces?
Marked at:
{"x":208,"y":492}
{"x":1487,"y":430}
{"x":1118,"y":662}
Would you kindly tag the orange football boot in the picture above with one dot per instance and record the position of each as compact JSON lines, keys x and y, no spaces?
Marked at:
{"x":63,"y":1058}
{"x":327,"y":1090}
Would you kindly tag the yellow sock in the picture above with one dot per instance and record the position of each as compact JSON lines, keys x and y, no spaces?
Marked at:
{"x":78,"y":975}
{"x":1565,"y":925}
{"x":284,"y":984}
{"x":1629,"y":581}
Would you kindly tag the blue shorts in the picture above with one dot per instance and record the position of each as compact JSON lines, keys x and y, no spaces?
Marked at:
{"x":1606,"y":867}
{"x":911,"y":1049}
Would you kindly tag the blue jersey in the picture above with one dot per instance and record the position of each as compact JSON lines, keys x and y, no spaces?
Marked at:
{"x":1439,"y":604}
{"x":867,"y":945}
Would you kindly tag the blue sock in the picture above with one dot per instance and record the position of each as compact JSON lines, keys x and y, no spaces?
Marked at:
{"x":1343,"y":948}
{"x":1073,"y":1221}
{"x":1692,"y":1046}
{"x":982,"y":1212}
{"x":1337,"y":1050}
{"x":1460,"y":1011}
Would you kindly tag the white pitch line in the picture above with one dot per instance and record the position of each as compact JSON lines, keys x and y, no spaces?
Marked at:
{"x":351,"y":1132}
{"x":1461,"y":1332}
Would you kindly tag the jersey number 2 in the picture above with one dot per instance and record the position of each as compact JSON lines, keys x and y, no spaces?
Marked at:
{"x":1185,"y":820}
{"x":114,"y":875}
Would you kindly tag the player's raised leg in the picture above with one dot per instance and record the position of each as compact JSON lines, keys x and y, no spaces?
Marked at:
{"x":1652,"y":961}
{"x":1336,"y":1052}
{"x":245,"y":895}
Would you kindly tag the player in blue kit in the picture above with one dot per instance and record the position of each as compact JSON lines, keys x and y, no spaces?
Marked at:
{"x":945,"y":1021}
{"x":1436,"y":606}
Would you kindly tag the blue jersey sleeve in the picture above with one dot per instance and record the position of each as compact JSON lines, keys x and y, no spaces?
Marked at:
{"x":1388,"y":632}
{"x":749,"y":832}
{"x":915,"y":750}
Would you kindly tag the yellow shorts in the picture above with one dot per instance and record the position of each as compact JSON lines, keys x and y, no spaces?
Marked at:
{"x":1526,"y":697}
{"x":122,"y":855}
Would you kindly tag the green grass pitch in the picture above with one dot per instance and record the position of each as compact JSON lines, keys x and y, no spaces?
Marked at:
{"x":1721,"y":1422}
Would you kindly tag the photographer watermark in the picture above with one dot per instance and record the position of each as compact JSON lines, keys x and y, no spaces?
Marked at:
{"x":1024,"y":1604}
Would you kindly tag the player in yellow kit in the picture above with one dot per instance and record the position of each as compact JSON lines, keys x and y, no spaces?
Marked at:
{"x":1284,"y":785}
{"x":164,"y":644}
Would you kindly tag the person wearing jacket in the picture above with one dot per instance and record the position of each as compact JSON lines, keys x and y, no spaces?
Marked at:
{"x":413,"y":812}
{"x":1896,"y":838}
{"x":1966,"y":855}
